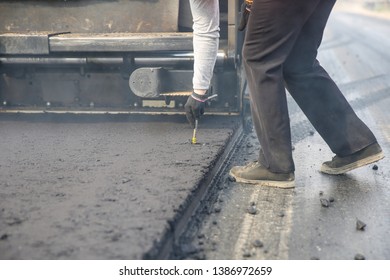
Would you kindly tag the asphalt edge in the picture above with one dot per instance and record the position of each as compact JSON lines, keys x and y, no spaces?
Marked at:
{"x":169,"y":246}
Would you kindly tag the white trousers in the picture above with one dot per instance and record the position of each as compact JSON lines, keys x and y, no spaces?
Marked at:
{"x":205,"y":15}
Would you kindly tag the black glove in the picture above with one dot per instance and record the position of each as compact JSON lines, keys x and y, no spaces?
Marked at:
{"x":194,"y":107}
{"x":245,"y":12}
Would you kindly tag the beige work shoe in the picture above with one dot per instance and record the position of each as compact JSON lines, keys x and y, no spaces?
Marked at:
{"x":256,"y":174}
{"x":340,"y":165}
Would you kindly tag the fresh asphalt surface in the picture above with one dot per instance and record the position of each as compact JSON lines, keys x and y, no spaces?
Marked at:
{"x":111,"y":188}
{"x":99,"y":187}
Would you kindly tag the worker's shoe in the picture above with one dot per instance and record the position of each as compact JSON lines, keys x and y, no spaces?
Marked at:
{"x":340,"y":165}
{"x":256,"y":174}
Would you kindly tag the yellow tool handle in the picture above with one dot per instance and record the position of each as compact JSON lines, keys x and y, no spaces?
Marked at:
{"x":193,"y":140}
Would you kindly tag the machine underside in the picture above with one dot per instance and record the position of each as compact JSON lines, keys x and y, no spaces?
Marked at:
{"x":110,"y":56}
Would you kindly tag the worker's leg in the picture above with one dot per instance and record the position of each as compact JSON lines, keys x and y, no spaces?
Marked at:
{"x":205,"y":15}
{"x":317,"y":94}
{"x":272,"y":30}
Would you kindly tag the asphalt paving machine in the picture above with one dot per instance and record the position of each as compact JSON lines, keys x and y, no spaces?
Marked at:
{"x":111,"y":56}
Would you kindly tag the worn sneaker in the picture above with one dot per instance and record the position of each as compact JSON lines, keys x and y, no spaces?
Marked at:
{"x":340,"y":165}
{"x":255,"y":173}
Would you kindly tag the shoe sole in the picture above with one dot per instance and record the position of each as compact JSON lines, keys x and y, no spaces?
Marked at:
{"x":341,"y":170}
{"x":265,"y":183}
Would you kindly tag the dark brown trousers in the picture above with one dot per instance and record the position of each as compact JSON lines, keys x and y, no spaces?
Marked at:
{"x":280,"y":51}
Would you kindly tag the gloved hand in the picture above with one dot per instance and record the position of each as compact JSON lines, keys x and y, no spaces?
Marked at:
{"x":245,"y":12}
{"x":194,"y":107}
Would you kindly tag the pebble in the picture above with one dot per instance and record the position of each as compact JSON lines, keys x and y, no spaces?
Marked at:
{"x":375,"y":167}
{"x":125,"y":180}
{"x":217,"y":209}
{"x":258,"y":244}
{"x":246,"y":254}
{"x":331,"y":199}
{"x":4,"y":237}
{"x":360,"y":225}
{"x":359,"y":257}
{"x":252,"y":210}
{"x":324,"y":202}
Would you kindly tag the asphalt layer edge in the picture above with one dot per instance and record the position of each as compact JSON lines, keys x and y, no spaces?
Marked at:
{"x":170,"y":245}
